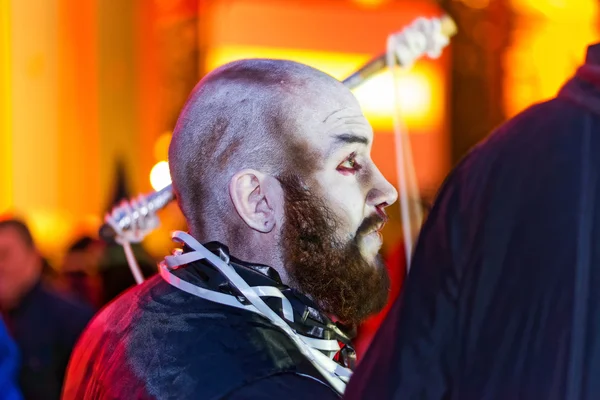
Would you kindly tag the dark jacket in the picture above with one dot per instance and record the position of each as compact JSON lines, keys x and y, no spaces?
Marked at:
{"x":503,"y":298}
{"x":45,"y":326}
{"x":158,"y":342}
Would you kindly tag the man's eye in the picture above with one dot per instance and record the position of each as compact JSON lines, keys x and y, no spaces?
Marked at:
{"x":349,"y":165}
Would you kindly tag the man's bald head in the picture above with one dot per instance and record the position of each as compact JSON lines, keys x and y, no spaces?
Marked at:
{"x":246,"y":114}
{"x":273,"y":158}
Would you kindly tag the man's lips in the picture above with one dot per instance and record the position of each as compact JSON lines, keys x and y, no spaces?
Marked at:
{"x":373,"y":224}
{"x":377,"y":230}
{"x":384,"y":217}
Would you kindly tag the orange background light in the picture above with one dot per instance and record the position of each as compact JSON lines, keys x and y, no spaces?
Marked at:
{"x":549,"y":43}
{"x":85,"y":85}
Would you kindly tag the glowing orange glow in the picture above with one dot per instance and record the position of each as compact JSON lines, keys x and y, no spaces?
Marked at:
{"x":325,"y":25}
{"x":370,"y":3}
{"x":478,"y":4}
{"x":338,"y":65}
{"x":57,"y":169}
{"x":161,"y":146}
{"x":160,"y":176}
{"x":51,"y":229}
{"x":421,"y":88}
{"x":6,"y":184}
{"x":77,"y":64}
{"x":419,"y":98}
{"x":558,"y":10}
{"x":549,"y":44}
{"x":34,"y":60}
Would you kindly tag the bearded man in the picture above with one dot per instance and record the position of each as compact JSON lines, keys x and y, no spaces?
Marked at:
{"x":270,"y":162}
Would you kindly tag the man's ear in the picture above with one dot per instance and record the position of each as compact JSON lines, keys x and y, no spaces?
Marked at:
{"x":250,"y":195}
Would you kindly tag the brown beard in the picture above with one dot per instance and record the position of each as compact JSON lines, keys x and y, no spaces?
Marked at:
{"x":330,"y":271}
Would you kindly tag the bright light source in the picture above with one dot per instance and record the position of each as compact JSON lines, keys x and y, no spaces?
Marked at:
{"x":421,"y":88}
{"x":549,"y":42}
{"x":582,"y":11}
{"x":338,"y":65}
{"x":160,"y":175}
{"x":377,"y":99}
{"x":370,"y":3}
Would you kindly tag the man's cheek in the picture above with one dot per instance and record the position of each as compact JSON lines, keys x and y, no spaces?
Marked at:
{"x":352,"y":204}
{"x":347,"y":223}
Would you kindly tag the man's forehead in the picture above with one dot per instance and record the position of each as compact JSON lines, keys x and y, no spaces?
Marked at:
{"x":329,"y":107}
{"x":332,"y":122}
{"x":347,"y":114}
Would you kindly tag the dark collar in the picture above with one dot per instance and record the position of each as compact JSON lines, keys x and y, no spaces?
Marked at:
{"x":308,"y":319}
{"x":249,"y":270}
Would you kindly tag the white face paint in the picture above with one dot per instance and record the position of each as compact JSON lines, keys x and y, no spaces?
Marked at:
{"x":345,"y":175}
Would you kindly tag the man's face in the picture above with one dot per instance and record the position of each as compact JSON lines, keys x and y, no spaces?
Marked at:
{"x":17,"y":260}
{"x":336,"y":209}
{"x":337,"y":166}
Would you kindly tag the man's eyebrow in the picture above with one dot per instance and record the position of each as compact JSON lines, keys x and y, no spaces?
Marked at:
{"x":346,"y":138}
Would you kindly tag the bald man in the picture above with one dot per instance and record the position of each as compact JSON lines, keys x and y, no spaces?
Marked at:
{"x":270,"y":162}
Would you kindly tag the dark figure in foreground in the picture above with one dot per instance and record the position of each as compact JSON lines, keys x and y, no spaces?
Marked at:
{"x":271,"y":164}
{"x":503,"y":298}
{"x":44,"y":323}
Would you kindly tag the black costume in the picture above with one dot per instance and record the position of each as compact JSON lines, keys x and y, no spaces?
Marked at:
{"x":503,"y":298}
{"x":159,"y":342}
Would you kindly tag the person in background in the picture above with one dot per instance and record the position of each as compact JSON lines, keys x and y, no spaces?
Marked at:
{"x":44,"y":323}
{"x":9,"y":361}
{"x":114,"y":273}
{"x":79,"y":274}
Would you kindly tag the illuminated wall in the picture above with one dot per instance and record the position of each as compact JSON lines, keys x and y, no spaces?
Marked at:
{"x":78,"y":91}
{"x":549,"y":42}
{"x":30,"y":106}
{"x":6,"y":184}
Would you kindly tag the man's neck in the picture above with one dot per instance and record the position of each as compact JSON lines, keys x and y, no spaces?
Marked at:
{"x":251,"y":247}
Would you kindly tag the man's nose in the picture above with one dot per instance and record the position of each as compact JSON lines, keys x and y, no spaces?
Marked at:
{"x":383,"y":193}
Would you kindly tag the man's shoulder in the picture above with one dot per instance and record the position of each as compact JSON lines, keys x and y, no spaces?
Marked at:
{"x":163,"y":335}
{"x":189,"y":326}
{"x":546,"y":122}
{"x":549,"y":127}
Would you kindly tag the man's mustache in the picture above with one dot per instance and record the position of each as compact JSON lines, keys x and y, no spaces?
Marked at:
{"x":372,"y":223}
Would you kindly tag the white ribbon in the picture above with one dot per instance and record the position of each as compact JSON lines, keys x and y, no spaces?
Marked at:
{"x":422,"y":37}
{"x":336,"y":375}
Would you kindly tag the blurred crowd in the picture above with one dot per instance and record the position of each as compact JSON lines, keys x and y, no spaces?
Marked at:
{"x":45,"y":308}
